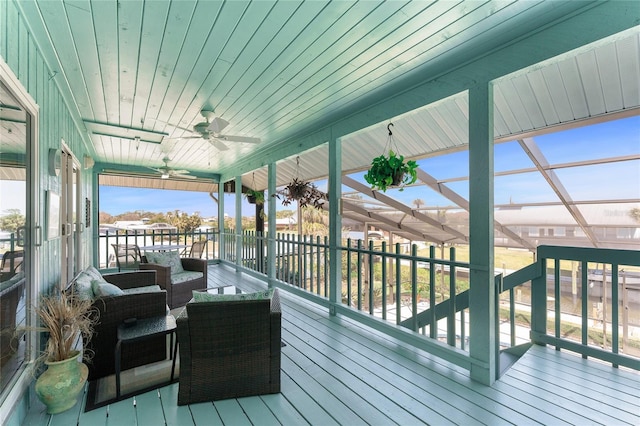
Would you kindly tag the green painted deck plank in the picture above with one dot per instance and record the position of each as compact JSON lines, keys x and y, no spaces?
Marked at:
{"x":72,"y":415}
{"x":573,"y":400}
{"x":93,"y":417}
{"x":282,"y":408}
{"x":231,"y":412}
{"x":174,"y":414}
{"x":547,"y":401}
{"x":37,"y":414}
{"x":370,"y":388}
{"x":616,"y":377}
{"x":314,"y":378}
{"x":435,"y":386}
{"x":122,"y":413}
{"x":204,"y":413}
{"x":149,"y":408}
{"x":297,"y":380}
{"x":304,"y":403}
{"x":583,"y":383}
{"x":257,"y":411}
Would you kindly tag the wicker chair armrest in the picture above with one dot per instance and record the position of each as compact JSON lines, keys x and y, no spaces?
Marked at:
{"x":194,"y":264}
{"x":163,"y":273}
{"x":115,"y":309}
{"x":126,"y":280}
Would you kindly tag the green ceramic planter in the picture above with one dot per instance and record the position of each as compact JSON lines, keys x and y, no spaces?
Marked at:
{"x":58,"y":387}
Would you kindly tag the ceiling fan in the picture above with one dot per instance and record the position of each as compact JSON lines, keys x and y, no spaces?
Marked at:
{"x":166,"y":172}
{"x":210,"y":130}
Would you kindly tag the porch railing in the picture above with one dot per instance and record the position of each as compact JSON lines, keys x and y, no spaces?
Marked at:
{"x":430,"y":296}
{"x":106,"y":258}
{"x":389,"y":283}
{"x":580,"y":299}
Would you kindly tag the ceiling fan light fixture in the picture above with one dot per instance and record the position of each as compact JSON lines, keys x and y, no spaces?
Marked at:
{"x":217,"y":124}
{"x":165,"y":175}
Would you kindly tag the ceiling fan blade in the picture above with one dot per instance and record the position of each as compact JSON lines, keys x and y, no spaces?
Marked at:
{"x":185,"y":176}
{"x":244,"y":139}
{"x":180,"y":172}
{"x":218,"y":144}
{"x":217,"y":124}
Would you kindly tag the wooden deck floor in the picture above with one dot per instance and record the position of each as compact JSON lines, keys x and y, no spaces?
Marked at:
{"x":335,"y":371}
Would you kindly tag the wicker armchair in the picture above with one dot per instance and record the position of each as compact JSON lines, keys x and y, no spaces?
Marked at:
{"x":113,"y":310}
{"x":229,"y":349}
{"x":179,"y":293}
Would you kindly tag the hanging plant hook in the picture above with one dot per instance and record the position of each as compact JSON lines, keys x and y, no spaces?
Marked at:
{"x":389,"y":129}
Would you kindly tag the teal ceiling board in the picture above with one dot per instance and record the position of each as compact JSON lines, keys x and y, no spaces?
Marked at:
{"x":288,"y":71}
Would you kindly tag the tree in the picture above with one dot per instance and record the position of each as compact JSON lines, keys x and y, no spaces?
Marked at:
{"x":418,"y":203}
{"x":104,"y":217}
{"x":282,"y":214}
{"x":635,"y":214}
{"x":12,"y":220}
{"x":184,"y":222}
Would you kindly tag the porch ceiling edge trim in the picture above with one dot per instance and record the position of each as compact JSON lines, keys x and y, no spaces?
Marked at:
{"x":603,"y":20}
{"x":146,"y":172}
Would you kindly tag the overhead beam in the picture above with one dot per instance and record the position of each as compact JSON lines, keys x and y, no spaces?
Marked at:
{"x":364,"y":189}
{"x":448,"y":193}
{"x":533,"y":151}
{"x":394,"y":225}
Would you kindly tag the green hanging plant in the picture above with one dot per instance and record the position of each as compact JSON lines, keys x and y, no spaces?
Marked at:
{"x":391,"y":171}
{"x":255,"y":197}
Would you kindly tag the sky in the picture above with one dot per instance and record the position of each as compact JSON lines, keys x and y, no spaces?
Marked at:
{"x":609,"y":139}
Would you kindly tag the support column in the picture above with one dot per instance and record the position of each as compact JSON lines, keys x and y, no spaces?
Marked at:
{"x":481,"y":235}
{"x":221,"y":237}
{"x":335,"y":223}
{"x":238,"y":220}
{"x":271,"y":218}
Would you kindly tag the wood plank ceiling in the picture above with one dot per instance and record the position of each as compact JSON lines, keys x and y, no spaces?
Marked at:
{"x":138,"y":74}
{"x":275,"y":69}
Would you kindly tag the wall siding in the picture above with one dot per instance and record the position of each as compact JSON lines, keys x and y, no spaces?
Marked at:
{"x":22,"y":54}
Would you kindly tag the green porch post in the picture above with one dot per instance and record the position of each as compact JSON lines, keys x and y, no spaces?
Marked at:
{"x":95,"y":219}
{"x":271,"y":217}
{"x":335,"y":223}
{"x":221,"y":242}
{"x":238,"y":220}
{"x":482,"y":290}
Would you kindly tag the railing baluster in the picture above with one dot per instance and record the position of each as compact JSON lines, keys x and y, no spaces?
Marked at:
{"x":585,"y":306}
{"x":384,"y":280}
{"x":414,"y":287}
{"x":556,"y":295}
{"x":398,"y":285}
{"x":348,"y":271}
{"x":451,"y":321}
{"x":614,"y":310}
{"x":360,"y":295}
{"x":371,"y":277}
{"x":433,"y":324}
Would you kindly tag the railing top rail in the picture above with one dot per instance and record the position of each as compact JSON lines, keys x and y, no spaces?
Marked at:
{"x":585,"y":254}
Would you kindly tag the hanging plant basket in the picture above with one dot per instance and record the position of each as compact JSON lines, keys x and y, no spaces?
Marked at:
{"x":303,"y":192}
{"x":391,"y":170}
{"x":255,"y":197}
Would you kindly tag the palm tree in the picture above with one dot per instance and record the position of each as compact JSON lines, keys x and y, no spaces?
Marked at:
{"x":418,"y":203}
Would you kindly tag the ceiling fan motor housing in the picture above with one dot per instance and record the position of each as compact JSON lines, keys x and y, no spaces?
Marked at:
{"x":202,"y":128}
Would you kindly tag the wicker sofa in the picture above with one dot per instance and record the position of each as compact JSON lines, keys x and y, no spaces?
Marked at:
{"x":178,"y":289}
{"x":229,"y":349}
{"x":113,"y":310}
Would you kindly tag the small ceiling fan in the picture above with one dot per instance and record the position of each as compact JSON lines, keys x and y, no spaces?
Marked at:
{"x":210,"y":130}
{"x":166,"y":172}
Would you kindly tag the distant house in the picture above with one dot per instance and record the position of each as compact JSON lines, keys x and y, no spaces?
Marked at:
{"x":286,"y":223}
